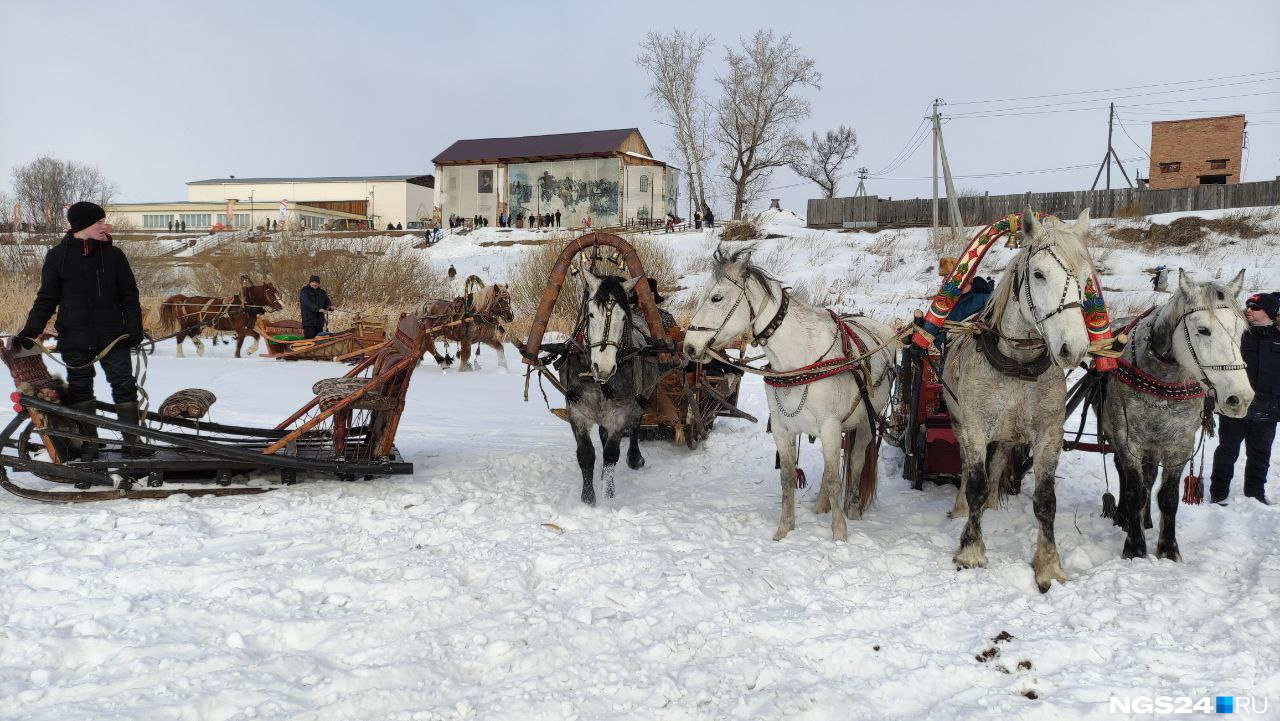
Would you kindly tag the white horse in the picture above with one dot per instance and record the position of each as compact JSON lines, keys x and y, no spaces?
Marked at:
{"x":742,"y":298}
{"x":1009,"y":386}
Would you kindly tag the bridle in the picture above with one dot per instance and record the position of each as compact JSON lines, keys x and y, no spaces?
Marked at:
{"x":623,"y":343}
{"x":1066,"y":287}
{"x":758,"y":339}
{"x":1167,"y":358}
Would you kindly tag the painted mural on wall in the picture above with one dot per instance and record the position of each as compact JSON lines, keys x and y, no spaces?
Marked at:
{"x":576,"y":188}
{"x":484,"y":181}
{"x":672,"y":193}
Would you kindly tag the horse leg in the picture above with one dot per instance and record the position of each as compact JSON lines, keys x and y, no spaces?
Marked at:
{"x":586,"y":460}
{"x":1046,"y":563}
{"x":253,"y":347}
{"x":961,"y":507}
{"x":635,"y":461}
{"x":1133,"y":491}
{"x":787,"y":456}
{"x":1167,"y":546}
{"x":998,"y":467}
{"x":854,"y":459}
{"x":441,"y":361}
{"x":179,"y":338}
{"x":464,"y":354}
{"x":496,"y":345}
{"x":199,"y":345}
{"x":239,"y":343}
{"x":973,"y":454}
{"x":612,"y":443}
{"x":831,"y":481}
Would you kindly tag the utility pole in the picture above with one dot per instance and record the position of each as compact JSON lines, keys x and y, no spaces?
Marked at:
{"x":935,"y":169}
{"x":940,"y":151}
{"x":1110,"y":155}
{"x":862,"y":183}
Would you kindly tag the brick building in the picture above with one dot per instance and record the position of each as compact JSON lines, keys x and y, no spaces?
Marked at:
{"x":1203,"y":151}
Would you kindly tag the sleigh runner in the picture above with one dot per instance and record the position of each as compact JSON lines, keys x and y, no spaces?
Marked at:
{"x":346,"y":431}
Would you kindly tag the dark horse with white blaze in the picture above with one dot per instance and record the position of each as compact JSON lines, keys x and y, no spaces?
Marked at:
{"x":1009,"y":384}
{"x":480,"y":317}
{"x":192,"y":314}
{"x":1151,"y":404}
{"x":608,"y":379}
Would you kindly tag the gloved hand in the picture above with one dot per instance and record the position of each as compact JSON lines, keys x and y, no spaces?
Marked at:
{"x":21,"y":341}
{"x":135,"y":339}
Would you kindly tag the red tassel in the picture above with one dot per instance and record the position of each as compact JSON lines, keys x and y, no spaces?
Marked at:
{"x":1192,"y":490}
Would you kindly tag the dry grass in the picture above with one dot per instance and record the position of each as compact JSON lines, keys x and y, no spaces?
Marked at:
{"x":1192,"y":231}
{"x":379,"y":280}
{"x":746,"y":229}
{"x":527,"y":278}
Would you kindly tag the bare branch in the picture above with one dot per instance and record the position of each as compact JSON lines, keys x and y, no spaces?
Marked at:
{"x":45,"y":185}
{"x":759,"y":110}
{"x":825,"y":156}
{"x":674,"y":62}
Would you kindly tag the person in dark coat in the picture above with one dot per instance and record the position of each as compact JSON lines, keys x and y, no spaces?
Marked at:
{"x":88,"y":281}
{"x":557,"y":219}
{"x":697,"y":220}
{"x":710,"y":218}
{"x":314,"y":303}
{"x":1260,"y":347}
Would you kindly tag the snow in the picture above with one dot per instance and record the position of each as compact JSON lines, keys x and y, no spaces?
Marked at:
{"x":480,"y":588}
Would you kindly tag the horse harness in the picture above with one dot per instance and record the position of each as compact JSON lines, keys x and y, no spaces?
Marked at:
{"x":1166,"y":357}
{"x":757,"y":339}
{"x":1131,"y":374}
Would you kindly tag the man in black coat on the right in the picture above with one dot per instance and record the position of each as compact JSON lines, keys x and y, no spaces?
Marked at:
{"x":314,"y":303}
{"x":1260,"y":348}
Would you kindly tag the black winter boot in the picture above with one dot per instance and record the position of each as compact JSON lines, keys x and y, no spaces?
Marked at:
{"x":88,"y":450}
{"x":128,"y":413}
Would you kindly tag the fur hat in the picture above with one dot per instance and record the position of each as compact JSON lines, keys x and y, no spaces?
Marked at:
{"x":84,"y":214}
{"x":653,"y":288}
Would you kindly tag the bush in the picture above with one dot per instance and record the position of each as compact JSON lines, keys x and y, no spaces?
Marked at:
{"x":746,"y":229}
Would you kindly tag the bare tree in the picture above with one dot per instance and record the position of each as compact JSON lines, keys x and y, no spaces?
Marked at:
{"x":757,"y":115}
{"x":825,"y":155}
{"x":46,"y":184}
{"x":674,"y":62}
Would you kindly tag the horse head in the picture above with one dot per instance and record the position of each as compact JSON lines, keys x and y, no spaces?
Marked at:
{"x":498,"y":306}
{"x":1045,"y":283}
{"x":608,"y":322}
{"x":1204,"y":325}
{"x":263,"y":294}
{"x":727,"y":308}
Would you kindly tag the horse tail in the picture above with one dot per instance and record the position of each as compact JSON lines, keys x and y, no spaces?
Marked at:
{"x":171,"y":312}
{"x":870,"y":471}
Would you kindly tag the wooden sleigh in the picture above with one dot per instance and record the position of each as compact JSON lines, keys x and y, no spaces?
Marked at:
{"x":346,"y":431}
{"x":283,"y":340}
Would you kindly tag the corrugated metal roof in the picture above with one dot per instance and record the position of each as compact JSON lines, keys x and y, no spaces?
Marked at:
{"x":594,"y":142}
{"x":323,"y":179}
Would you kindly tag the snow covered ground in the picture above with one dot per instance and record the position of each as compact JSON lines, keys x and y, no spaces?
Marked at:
{"x":481,"y":588}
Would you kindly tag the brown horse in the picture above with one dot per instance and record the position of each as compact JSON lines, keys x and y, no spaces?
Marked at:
{"x":481,"y":320}
{"x":192,"y":314}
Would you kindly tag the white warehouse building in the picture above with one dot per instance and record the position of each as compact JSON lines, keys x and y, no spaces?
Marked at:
{"x":407,"y":200}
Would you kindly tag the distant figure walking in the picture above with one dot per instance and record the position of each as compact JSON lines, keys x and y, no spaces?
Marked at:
{"x":710,"y":218}
{"x":557,"y":219}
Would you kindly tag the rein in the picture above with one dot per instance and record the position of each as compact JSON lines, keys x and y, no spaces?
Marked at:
{"x":1131,"y":374}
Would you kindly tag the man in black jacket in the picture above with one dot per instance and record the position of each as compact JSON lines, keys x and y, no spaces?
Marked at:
{"x":314,"y":303}
{"x":1260,"y":347}
{"x":88,"y":281}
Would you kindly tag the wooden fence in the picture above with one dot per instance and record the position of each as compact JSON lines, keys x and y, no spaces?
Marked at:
{"x":982,"y":209}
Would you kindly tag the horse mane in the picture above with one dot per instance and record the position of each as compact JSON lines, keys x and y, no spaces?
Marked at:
{"x":722,"y":260}
{"x":1063,"y":239}
{"x":611,"y":289}
{"x":1211,"y":294}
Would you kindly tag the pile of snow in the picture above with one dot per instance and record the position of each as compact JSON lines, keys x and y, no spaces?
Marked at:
{"x":481,"y":588}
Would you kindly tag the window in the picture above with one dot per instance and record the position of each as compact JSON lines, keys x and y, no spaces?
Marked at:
{"x":1219,"y":164}
{"x":1213,"y":180}
{"x":644,"y":183}
{"x":157,"y":221}
{"x":1171,"y":167}
{"x":241,"y":220}
{"x":196,"y":220}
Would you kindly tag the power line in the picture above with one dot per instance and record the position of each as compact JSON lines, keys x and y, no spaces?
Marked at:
{"x":1060,"y":169}
{"x":1130,"y":137}
{"x":1138,"y":95}
{"x":1112,"y":90}
{"x":906,"y":148}
{"x":1001,"y":114}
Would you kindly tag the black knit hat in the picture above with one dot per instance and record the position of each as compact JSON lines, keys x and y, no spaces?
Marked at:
{"x":314,"y":279}
{"x":1268,"y":303}
{"x":84,"y":214}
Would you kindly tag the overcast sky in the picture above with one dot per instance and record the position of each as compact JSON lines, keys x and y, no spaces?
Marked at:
{"x":159,"y":93}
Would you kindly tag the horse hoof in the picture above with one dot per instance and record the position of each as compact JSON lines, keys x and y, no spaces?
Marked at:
{"x":636,"y":463}
{"x":1171,"y":554}
{"x":589,"y":500}
{"x":840,"y":534}
{"x":1046,"y":577}
{"x":781,"y":533}
{"x":970,"y":557}
{"x":853,"y":513}
{"x":1133,"y":551}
